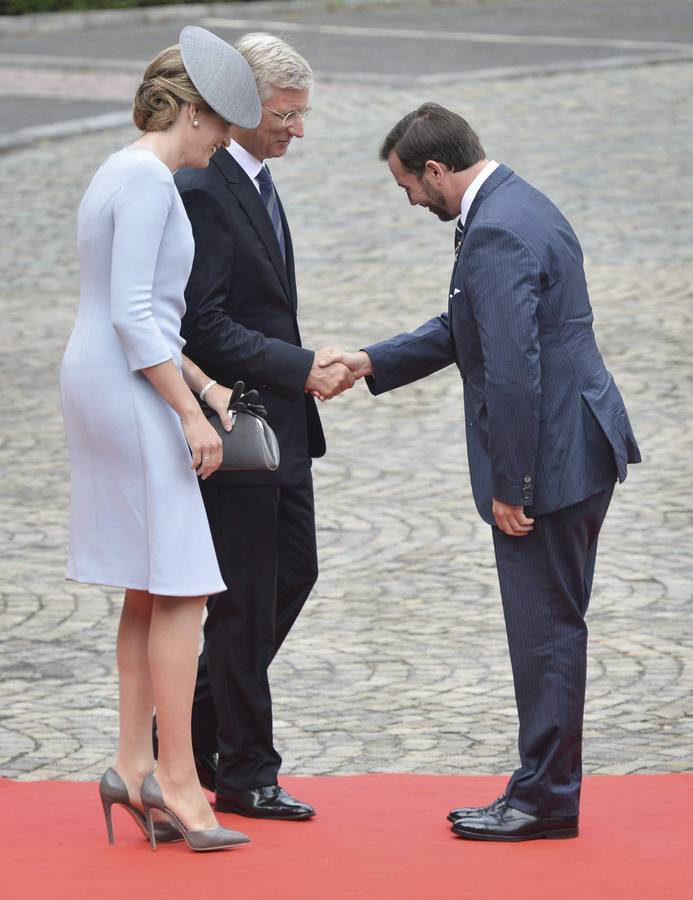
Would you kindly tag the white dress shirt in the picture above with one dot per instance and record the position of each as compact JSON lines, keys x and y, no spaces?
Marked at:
{"x":250,"y":165}
{"x":473,"y":189}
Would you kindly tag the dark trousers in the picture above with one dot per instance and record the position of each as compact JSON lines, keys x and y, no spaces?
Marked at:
{"x":545,"y":581}
{"x":264,"y":537}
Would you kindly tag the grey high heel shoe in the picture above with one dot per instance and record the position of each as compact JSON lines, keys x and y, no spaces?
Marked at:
{"x":113,"y":789}
{"x":218,"y":838}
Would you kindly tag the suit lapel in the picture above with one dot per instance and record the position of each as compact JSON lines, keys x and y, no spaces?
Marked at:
{"x":496,"y":177}
{"x":249,"y":198}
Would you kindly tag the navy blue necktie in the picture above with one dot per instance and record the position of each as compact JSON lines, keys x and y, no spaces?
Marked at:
{"x":269,"y":198}
{"x":459,"y":235}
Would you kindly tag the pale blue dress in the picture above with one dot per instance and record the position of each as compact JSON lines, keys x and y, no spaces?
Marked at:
{"x":137,"y":519}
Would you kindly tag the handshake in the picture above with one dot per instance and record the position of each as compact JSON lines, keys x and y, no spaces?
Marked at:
{"x":335,"y":371}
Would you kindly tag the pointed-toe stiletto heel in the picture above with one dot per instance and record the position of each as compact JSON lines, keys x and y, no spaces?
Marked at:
{"x":107,"y":803}
{"x":112,"y":789}
{"x":218,"y":838}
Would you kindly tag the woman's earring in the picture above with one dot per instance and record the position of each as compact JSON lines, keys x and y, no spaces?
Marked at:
{"x":195,"y":123}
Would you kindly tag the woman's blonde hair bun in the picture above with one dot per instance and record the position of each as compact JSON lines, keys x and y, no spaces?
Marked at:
{"x":165,"y":87}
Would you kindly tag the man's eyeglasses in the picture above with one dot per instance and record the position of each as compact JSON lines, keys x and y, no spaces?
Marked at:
{"x":292,"y":117}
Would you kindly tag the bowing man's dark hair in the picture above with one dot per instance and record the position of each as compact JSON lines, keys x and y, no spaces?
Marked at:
{"x":433,"y":132}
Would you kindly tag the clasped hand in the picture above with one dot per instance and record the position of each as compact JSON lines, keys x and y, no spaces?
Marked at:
{"x":511,"y":519}
{"x":335,"y":371}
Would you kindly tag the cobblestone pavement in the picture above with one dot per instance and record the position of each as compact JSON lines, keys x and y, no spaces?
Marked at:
{"x":60,"y":60}
{"x":399,"y":661}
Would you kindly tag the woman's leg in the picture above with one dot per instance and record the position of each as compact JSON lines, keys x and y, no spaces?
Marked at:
{"x":135,"y":758}
{"x":174,"y":635}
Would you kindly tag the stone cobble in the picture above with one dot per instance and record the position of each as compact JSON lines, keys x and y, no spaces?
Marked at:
{"x":399,"y":661}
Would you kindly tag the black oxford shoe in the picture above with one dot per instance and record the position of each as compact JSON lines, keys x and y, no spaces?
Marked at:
{"x":271,"y":802}
{"x":463,"y":811}
{"x":507,"y":824}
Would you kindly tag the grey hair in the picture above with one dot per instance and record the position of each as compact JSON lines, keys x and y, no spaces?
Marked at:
{"x":274,"y":63}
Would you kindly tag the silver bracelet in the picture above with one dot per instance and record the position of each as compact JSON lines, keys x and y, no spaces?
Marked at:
{"x":203,"y":392}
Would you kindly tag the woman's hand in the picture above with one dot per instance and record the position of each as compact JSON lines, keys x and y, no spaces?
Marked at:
{"x":205,"y":444}
{"x":219,"y":397}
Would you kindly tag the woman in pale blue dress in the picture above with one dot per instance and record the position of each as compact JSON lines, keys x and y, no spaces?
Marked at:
{"x":137,"y":438}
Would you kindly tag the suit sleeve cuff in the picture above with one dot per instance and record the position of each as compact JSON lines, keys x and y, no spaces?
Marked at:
{"x":514,"y":491}
{"x":290,"y":370}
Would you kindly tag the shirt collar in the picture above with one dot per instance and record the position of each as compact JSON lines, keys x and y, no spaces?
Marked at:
{"x":473,"y":189}
{"x":250,"y":165}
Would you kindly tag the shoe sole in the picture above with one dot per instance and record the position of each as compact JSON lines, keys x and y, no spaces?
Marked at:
{"x":215,"y":849}
{"x":225,"y":808}
{"x":556,"y":835}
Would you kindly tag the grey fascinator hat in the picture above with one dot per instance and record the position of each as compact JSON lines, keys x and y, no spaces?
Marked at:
{"x":222,"y":77}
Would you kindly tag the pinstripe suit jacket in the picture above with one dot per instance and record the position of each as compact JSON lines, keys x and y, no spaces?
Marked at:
{"x":546,"y":425}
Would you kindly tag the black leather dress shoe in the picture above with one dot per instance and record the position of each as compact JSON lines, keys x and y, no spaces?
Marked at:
{"x":463,"y":811}
{"x":271,"y":802}
{"x":507,"y":824}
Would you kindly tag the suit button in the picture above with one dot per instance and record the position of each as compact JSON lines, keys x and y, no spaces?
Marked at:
{"x":528,"y":479}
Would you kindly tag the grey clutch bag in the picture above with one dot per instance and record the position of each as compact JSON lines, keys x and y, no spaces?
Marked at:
{"x":251,"y":445}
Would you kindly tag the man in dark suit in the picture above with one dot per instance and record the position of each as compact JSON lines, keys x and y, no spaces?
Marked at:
{"x":241,"y":324}
{"x":547,"y":437}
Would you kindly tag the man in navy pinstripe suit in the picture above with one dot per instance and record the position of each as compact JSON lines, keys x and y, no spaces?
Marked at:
{"x":547,"y":437}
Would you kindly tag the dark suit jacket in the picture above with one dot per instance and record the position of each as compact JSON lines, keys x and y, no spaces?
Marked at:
{"x":546,"y":425}
{"x":241,"y":301}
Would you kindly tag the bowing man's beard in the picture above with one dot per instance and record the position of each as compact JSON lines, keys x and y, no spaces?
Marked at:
{"x":436,"y":204}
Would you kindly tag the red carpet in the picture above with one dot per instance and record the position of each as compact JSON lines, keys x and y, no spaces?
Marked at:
{"x":375,"y":836}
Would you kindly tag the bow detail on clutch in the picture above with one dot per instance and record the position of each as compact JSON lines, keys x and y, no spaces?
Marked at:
{"x":246,"y":402}
{"x":251,"y":445}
